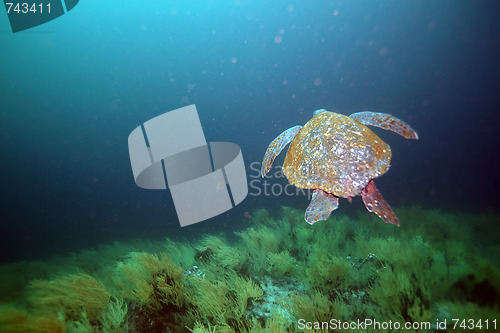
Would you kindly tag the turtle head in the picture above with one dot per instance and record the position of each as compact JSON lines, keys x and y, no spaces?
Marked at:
{"x":318,"y":111}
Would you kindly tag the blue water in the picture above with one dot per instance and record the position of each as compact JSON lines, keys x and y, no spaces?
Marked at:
{"x":73,"y":89}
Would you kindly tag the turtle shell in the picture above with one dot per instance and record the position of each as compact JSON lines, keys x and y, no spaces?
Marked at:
{"x":336,"y":154}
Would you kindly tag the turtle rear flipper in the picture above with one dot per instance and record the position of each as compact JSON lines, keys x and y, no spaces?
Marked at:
{"x":385,"y":121}
{"x":277,"y":146}
{"x":321,"y":206}
{"x":374,"y":202}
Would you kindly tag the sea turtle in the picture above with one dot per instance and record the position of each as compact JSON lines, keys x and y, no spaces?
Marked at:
{"x":338,"y":156}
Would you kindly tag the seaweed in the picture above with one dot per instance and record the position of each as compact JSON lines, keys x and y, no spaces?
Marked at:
{"x":149,"y":280}
{"x":73,"y":295}
{"x":280,"y":264}
{"x":216,"y":249}
{"x":14,"y":320}
{"x":113,"y":319}
{"x":326,"y":271}
{"x":222,"y":301}
{"x":273,"y":273}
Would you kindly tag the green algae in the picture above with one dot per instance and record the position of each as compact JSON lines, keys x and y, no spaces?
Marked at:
{"x":277,"y":272}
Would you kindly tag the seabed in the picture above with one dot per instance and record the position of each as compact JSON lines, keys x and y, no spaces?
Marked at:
{"x":279,"y":275}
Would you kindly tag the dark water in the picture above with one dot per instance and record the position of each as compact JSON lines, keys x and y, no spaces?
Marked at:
{"x":73,"y":89}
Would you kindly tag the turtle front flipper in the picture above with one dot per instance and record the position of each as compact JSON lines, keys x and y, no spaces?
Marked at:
{"x":385,"y":121}
{"x":321,"y":206}
{"x":277,"y":146}
{"x":374,"y":202}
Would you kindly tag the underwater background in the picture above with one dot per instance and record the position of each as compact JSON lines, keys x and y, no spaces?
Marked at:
{"x":82,"y":248}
